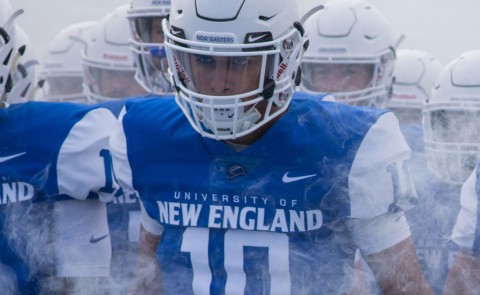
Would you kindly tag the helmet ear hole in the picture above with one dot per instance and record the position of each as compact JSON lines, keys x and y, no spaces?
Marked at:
{"x":306,"y":45}
{"x":299,"y":27}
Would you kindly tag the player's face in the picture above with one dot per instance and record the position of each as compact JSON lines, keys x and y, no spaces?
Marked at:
{"x":333,"y":78}
{"x":156,"y":32}
{"x":156,"y":36}
{"x":221,"y":76}
{"x":64,"y":85}
{"x":119,"y":84}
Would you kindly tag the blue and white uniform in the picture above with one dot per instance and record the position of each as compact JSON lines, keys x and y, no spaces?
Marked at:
{"x":124,"y":225}
{"x":432,"y":219}
{"x":282,"y":216}
{"x":466,"y":232}
{"x":54,"y":154}
{"x":431,"y":222}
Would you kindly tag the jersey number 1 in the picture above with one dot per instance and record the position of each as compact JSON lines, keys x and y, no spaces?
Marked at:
{"x":107,"y":162}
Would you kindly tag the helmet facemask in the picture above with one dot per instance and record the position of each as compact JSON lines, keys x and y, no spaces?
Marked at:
{"x":64,"y":87}
{"x":6,"y":52}
{"x":9,"y":54}
{"x":451,"y":119}
{"x":361,"y":81}
{"x":451,"y":148}
{"x":149,"y":53}
{"x":105,"y":82}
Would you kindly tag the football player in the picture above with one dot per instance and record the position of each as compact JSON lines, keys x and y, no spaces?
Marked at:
{"x":109,"y":71}
{"x":46,"y":161}
{"x":351,"y":54}
{"x":147,"y":44}
{"x":415,"y":74}
{"x":61,"y":69}
{"x":414,"y":77}
{"x":248,"y":191}
{"x":51,"y":155}
{"x":110,"y":61}
{"x":452,"y":142}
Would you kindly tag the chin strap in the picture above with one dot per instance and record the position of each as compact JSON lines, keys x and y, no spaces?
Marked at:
{"x":221,"y":128}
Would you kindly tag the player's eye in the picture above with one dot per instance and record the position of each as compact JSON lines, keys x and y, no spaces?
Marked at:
{"x":240,"y":60}
{"x":204,"y":59}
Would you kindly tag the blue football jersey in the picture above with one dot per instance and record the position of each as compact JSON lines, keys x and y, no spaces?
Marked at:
{"x":48,"y":152}
{"x":124,"y":226}
{"x":431,"y":222}
{"x":269,"y":219}
{"x":432,"y":219}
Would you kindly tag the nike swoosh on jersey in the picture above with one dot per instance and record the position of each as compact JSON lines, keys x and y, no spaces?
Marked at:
{"x":8,"y":158}
{"x":288,"y":179}
{"x":94,"y":240}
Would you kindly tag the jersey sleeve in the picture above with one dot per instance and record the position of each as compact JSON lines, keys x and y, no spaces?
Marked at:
{"x":123,"y":172}
{"x":84,"y":161}
{"x":376,"y":234}
{"x":466,"y":226}
{"x":120,"y":162}
{"x":379,"y":181}
{"x":150,"y":224}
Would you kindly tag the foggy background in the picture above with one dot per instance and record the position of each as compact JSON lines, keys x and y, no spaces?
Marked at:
{"x":443,"y":28}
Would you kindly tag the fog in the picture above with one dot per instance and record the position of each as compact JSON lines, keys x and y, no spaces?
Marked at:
{"x":43,"y":19}
{"x":443,"y":28}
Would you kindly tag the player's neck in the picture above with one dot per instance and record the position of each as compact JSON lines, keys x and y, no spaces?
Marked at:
{"x":249,"y":139}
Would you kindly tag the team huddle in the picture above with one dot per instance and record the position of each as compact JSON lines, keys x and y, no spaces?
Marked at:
{"x":173,"y":147}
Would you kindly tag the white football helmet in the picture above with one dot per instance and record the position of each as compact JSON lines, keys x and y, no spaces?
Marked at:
{"x":8,"y":52}
{"x":62,"y":69}
{"x":451,"y":119}
{"x":109,"y":71}
{"x":351,"y":54}
{"x":145,"y":18}
{"x":234,"y":68}
{"x":24,"y":75}
{"x":415,"y":73}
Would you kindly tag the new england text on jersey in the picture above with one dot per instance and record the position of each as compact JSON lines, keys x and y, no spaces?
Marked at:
{"x":13,"y":192}
{"x":255,"y":214}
